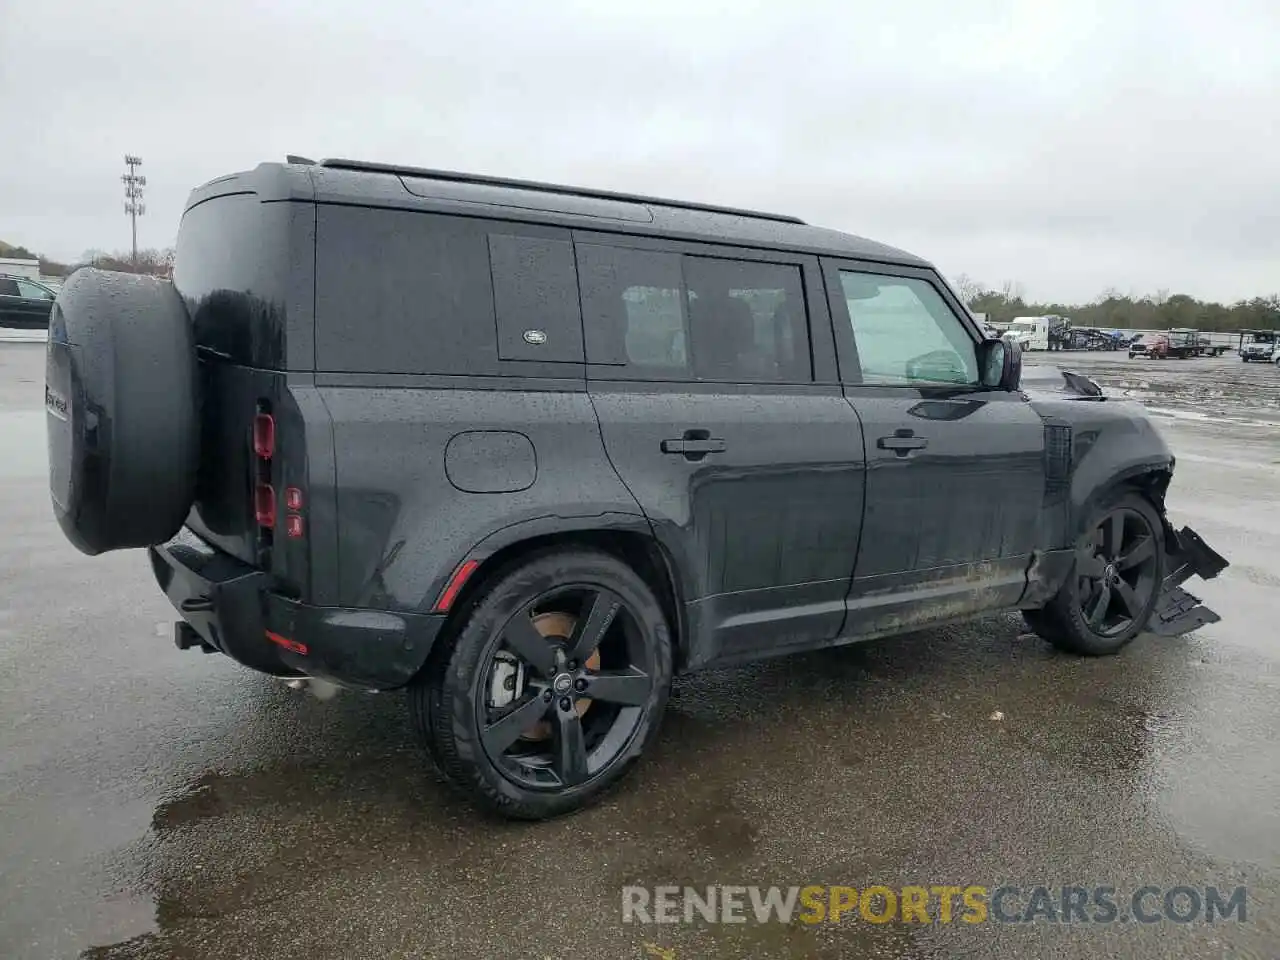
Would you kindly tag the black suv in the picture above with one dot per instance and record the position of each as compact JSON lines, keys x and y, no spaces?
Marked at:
{"x":530,"y":450}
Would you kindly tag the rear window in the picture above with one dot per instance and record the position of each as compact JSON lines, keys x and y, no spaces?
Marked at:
{"x":669,"y":316}
{"x":234,"y":269}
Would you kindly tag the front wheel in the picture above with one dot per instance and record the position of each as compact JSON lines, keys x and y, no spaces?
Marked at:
{"x":1114,"y":584}
{"x":551,"y":689}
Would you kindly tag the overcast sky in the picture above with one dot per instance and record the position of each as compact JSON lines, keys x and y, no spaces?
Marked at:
{"x":1070,"y":146}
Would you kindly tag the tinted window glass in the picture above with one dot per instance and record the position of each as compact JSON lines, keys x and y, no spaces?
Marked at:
{"x":234,"y":268}
{"x":667,"y":316}
{"x":748,"y":321}
{"x":905,"y":332}
{"x":8,"y":287}
{"x":633,"y":311}
{"x":403,"y":292}
{"x":535,"y":296}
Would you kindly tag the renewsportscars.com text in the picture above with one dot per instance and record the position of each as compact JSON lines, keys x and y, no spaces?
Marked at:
{"x":933,"y":904}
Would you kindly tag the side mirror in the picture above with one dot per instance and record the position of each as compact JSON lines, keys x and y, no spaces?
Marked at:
{"x":1001,"y":364}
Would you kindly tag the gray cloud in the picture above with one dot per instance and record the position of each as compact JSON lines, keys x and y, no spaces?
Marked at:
{"x":1071,"y":146}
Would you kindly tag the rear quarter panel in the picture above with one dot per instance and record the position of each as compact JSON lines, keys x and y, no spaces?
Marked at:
{"x":403,"y":452}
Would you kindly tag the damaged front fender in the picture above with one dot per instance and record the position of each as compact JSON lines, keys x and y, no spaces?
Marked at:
{"x":1177,"y":611}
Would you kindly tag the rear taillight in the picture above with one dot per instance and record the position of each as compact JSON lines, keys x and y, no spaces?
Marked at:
{"x":264,"y":505}
{"x":264,"y":436}
{"x":265,"y":470}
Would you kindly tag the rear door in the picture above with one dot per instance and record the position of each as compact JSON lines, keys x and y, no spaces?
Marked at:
{"x":955,"y":475}
{"x":739,"y":448}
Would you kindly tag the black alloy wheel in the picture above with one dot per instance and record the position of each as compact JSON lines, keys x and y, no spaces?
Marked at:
{"x":1115,"y":581}
{"x":1117,"y":567}
{"x":586,"y":684}
{"x":548,"y":683}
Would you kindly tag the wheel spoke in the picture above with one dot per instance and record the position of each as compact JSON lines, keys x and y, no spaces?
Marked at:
{"x":598,"y":612}
{"x":529,"y":645}
{"x":1113,"y":535}
{"x":627,"y":687}
{"x":1099,"y":611}
{"x":1128,"y":599}
{"x":504,"y":731}
{"x":1144,"y":549}
{"x":569,"y":758}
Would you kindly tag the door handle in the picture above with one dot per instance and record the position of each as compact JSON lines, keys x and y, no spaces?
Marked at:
{"x":902,"y":442}
{"x":694,"y":445}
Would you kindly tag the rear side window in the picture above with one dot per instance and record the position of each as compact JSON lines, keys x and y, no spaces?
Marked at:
{"x":668,"y":316}
{"x":748,"y":320}
{"x":406,"y":292}
{"x":8,"y":287}
{"x":535,"y":298}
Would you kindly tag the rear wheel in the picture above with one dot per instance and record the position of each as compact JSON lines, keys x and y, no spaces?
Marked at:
{"x":1114,"y":583}
{"x":552,"y":687}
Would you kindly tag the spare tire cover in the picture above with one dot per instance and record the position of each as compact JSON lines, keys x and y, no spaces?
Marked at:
{"x":121,"y":407}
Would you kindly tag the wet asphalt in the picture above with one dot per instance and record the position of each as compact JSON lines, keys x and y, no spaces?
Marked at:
{"x":163,"y":804}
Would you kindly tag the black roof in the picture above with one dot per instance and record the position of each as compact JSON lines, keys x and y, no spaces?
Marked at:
{"x":363,"y":183}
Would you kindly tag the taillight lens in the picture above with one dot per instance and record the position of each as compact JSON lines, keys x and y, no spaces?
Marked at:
{"x":264,"y":505}
{"x":292,"y":498}
{"x":264,"y":435}
{"x":293,"y":526}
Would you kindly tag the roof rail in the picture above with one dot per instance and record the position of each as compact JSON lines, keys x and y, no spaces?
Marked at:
{"x":367,"y":167}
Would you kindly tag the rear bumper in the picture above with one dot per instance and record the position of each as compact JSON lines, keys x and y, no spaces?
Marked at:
{"x":231,"y":609}
{"x":1177,"y":611}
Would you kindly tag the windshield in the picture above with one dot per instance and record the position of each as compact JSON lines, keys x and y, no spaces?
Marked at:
{"x":1027,"y":326}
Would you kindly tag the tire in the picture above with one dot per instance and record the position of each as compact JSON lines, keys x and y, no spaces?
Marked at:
{"x":1063,"y":621}
{"x":517,"y":761}
{"x":121,"y":405}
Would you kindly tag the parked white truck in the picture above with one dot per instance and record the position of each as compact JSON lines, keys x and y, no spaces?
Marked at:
{"x":1031,"y":333}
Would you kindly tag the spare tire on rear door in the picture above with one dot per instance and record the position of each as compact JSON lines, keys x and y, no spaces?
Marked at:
{"x":121,"y":402}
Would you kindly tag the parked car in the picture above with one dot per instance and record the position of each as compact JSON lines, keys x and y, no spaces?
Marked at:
{"x":527,"y":451}
{"x":1155,"y":345}
{"x":24,"y":303}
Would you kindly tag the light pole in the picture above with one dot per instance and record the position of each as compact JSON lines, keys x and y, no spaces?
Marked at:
{"x":133,"y":205}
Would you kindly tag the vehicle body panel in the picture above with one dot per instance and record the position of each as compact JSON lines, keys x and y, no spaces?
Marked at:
{"x":766,"y":531}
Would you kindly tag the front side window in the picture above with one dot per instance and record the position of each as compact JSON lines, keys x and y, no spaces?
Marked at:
{"x":905,"y":332}
{"x":33,"y":291}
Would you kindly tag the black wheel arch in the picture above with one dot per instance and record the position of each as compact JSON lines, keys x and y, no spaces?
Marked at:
{"x":628,"y":537}
{"x":1151,"y":479}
